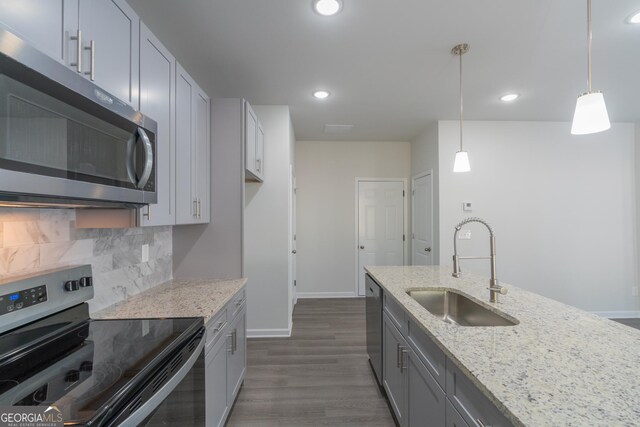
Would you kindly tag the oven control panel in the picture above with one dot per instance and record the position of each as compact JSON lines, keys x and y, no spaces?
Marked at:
{"x":24,"y":298}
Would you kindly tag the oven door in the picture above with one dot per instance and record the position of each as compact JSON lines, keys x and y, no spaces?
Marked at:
{"x":63,"y":140}
{"x":176,"y":399}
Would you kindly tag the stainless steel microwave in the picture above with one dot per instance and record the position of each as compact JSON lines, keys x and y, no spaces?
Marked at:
{"x":66,"y":142}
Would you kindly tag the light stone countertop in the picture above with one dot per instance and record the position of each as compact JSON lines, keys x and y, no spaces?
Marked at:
{"x":560,"y":366}
{"x":176,"y":298}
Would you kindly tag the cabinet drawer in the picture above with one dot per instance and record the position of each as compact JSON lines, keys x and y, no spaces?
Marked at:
{"x":454,"y":419}
{"x":396,"y":313}
{"x":474,"y":407}
{"x":428,"y":352}
{"x":215,"y":328}
{"x":236,"y":304}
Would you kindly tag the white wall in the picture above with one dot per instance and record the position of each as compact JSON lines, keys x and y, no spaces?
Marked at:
{"x":562,"y":207}
{"x":424,"y":157}
{"x":326,"y":173}
{"x":266,"y":230}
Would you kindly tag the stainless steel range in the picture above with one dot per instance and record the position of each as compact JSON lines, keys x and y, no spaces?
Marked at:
{"x":96,"y":372}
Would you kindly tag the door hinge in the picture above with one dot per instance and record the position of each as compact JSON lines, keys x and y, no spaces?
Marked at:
{"x":295,"y":283}
{"x":403,"y":238}
{"x":413,"y":236}
{"x":402,"y":193}
{"x":413,"y":192}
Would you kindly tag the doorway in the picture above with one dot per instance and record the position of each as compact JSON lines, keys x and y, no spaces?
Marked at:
{"x":380,"y":225}
{"x":422,"y":219}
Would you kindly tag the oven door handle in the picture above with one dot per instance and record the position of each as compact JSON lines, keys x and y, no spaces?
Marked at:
{"x":156,"y":400}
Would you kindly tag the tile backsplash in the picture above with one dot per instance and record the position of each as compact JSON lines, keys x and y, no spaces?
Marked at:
{"x":40,"y":239}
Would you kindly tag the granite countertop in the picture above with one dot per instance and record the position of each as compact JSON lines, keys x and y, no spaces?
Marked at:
{"x":559,"y":366}
{"x":176,"y":298}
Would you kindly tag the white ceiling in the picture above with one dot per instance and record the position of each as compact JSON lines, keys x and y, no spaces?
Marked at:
{"x":388,"y":63}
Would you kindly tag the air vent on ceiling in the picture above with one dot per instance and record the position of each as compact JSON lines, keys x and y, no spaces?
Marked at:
{"x":337,"y":129}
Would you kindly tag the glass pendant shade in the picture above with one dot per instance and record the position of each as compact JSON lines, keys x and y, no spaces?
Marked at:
{"x":591,"y":114}
{"x":461,"y":164}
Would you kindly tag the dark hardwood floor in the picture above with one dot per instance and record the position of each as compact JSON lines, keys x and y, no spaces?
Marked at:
{"x":318,"y":377}
{"x":634,"y":323}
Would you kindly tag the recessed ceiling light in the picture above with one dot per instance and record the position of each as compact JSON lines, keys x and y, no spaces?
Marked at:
{"x":509,"y":97}
{"x":321,"y":94}
{"x":634,"y":19}
{"x":327,"y":7}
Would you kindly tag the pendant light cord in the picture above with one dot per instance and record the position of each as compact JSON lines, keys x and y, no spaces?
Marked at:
{"x":461,"y":99}
{"x":589,"y":44}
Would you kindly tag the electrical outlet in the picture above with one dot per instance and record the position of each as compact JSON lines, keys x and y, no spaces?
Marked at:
{"x":145,"y":253}
{"x":464,"y":234}
{"x":634,"y":291}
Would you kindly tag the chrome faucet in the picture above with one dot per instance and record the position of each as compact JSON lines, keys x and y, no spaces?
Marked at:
{"x":494,"y":287}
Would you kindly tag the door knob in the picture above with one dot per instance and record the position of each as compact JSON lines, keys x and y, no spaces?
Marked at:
{"x":427,"y":249}
{"x":294,"y":251}
{"x":361,"y":247}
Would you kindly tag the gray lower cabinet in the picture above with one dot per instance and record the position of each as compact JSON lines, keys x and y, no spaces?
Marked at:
{"x":225,"y":361}
{"x":424,"y":387}
{"x":454,"y":419}
{"x":216,"y":384}
{"x":426,"y":400}
{"x":237,"y":362}
{"x":393,"y":376}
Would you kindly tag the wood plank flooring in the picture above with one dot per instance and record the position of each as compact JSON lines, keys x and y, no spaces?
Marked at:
{"x":318,"y":377}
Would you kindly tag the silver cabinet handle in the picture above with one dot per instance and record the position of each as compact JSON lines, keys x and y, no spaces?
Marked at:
{"x":480,"y":423}
{"x":148,"y":214}
{"x":195,"y":208}
{"x":403,"y":351}
{"x":78,"y":63}
{"x":427,"y":249}
{"x":199,"y":208}
{"x":398,"y":356}
{"x":234,"y":341}
{"x":259,"y":165}
{"x":91,"y":48}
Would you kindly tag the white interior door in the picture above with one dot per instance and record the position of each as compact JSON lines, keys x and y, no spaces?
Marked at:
{"x":422,"y":220}
{"x":380,"y":225}
{"x":294,"y":247}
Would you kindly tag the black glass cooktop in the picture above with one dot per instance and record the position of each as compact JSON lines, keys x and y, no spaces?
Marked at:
{"x":83,"y":366}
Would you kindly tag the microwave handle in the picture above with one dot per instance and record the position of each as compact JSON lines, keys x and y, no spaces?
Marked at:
{"x":148,"y":158}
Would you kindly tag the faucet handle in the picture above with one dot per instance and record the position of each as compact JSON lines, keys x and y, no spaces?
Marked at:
{"x":499,"y":289}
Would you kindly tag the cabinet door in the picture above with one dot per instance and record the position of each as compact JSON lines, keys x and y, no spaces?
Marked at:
{"x":426,"y":400}
{"x":393,"y":373}
{"x":203,"y":159}
{"x":238,"y":356}
{"x":157,"y":100}
{"x":454,"y":419}
{"x":114,"y":29}
{"x":45,"y":24}
{"x":217,"y":406}
{"x":251,"y":140}
{"x":260,"y":152}
{"x":186,"y":203}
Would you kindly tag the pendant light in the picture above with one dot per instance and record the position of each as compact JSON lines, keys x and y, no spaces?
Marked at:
{"x":461,"y":163}
{"x":591,"y":112}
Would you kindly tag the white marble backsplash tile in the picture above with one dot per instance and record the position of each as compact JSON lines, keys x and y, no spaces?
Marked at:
{"x":39,"y":239}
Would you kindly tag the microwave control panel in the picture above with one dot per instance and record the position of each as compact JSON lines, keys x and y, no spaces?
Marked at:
{"x":21,"y":299}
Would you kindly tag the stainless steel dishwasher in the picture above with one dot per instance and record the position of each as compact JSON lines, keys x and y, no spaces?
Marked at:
{"x":374,"y":326}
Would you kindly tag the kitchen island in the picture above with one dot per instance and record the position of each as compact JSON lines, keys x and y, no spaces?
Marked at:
{"x":558,"y":366}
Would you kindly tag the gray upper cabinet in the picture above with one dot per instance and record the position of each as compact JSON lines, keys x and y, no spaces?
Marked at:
{"x":254,"y":146}
{"x":99,"y":39}
{"x":157,"y":100}
{"x":192,"y":153}
{"x":110,"y":42}
{"x":46,"y":24}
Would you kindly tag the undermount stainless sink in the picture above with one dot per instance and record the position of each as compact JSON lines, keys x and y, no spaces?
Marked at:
{"x":452,"y":307}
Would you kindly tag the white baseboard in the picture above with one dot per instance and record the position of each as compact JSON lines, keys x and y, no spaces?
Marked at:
{"x":269,"y":333}
{"x":618,"y":314}
{"x":307,"y":295}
